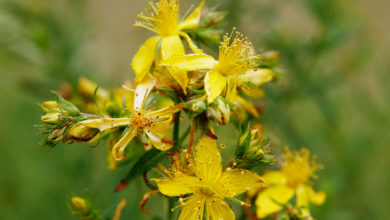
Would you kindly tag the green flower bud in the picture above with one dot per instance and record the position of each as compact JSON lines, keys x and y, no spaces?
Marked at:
{"x":52,"y":118}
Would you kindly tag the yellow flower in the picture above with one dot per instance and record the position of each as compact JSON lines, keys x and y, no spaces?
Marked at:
{"x":153,"y":123}
{"x":292,"y":179}
{"x":235,"y":66}
{"x":207,"y":183}
{"x":163,"y":19}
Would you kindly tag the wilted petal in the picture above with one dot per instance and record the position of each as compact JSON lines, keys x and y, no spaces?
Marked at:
{"x":157,"y":136}
{"x":119,"y":148}
{"x":105,"y":123}
{"x":142,"y":91}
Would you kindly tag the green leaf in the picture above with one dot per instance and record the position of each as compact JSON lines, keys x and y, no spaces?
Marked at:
{"x":65,"y":105}
{"x":145,"y":162}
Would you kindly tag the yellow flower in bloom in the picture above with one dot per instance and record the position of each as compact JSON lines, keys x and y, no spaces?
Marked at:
{"x":153,"y":123}
{"x":292,"y":179}
{"x":207,"y":183}
{"x":235,"y":66}
{"x":163,"y":19}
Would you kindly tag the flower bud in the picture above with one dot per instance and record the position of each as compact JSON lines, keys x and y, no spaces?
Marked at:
{"x":79,"y":132}
{"x":52,"y":118}
{"x":254,"y":148}
{"x":50,"y":106}
{"x":87,"y":89}
{"x":223,"y":112}
{"x":197,"y":106}
{"x":80,"y":205}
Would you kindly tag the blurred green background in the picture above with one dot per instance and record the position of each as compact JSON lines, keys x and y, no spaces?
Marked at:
{"x":333,"y":97}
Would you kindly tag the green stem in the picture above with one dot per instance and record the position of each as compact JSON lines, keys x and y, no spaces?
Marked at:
{"x":176,"y":130}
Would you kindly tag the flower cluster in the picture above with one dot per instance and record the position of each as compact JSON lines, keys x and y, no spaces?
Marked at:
{"x":177,"y":81}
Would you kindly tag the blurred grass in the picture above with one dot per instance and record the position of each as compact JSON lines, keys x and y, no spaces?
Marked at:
{"x":332,"y":99}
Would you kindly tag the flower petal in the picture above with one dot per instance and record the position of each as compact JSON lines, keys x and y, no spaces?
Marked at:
{"x":237,"y":181}
{"x":269,"y":201}
{"x":306,"y":195}
{"x":167,"y":111}
{"x":192,"y":20}
{"x":119,"y":148}
{"x":217,"y":209}
{"x":180,"y":77}
{"x":144,"y":58}
{"x":142,"y":91}
{"x":214,"y":83}
{"x":178,"y":186}
{"x":207,"y":163}
{"x":231,"y":92}
{"x":156,"y":136}
{"x":105,"y":123}
{"x":190,"y":62}
{"x":247,"y":106}
{"x":171,"y":46}
{"x":258,"y":77}
{"x":190,"y":43}
{"x":193,"y":208}
{"x":275,"y":178}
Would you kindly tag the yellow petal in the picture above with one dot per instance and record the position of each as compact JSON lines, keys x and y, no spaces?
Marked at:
{"x":193,"y":208}
{"x":258,"y":77}
{"x":178,"y":186}
{"x":180,"y":77}
{"x":269,"y":200}
{"x":306,"y":195}
{"x":171,"y":46}
{"x":252,"y":92}
{"x":231,"y":92}
{"x":217,"y":209}
{"x":157,"y":134}
{"x":105,"y":123}
{"x":207,"y":160}
{"x":142,"y":91}
{"x":317,"y":198}
{"x":119,"y":148}
{"x":190,"y":62}
{"x":144,"y":58}
{"x":192,"y":20}
{"x":237,"y":181}
{"x":275,"y":178}
{"x":247,"y":106}
{"x":190,"y":43}
{"x":167,"y":111}
{"x":214,"y":84}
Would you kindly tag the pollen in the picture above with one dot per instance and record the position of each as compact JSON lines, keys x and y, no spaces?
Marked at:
{"x":236,"y":54}
{"x":140,"y":121}
{"x":161,"y":17}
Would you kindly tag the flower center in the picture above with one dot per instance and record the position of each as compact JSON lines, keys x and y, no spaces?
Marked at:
{"x":207,"y":190}
{"x":139,"y":120}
